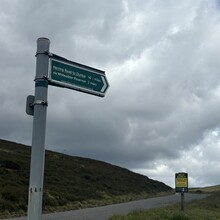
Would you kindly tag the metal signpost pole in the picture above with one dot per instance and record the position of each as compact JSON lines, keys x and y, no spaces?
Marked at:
{"x":39,"y":130}
{"x":181,"y":182}
{"x":182,"y":201}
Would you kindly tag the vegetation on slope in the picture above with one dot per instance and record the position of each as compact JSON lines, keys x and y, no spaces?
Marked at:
{"x":69,"y":182}
{"x":208,"y":189}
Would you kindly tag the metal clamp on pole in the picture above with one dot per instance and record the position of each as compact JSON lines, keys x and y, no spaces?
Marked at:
{"x":41,"y":78}
{"x":39,"y":102}
{"x":30,"y":103}
{"x":45,"y":53}
{"x":41,"y":81}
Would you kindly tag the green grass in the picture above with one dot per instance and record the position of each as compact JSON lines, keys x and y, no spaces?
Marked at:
{"x":205,"y":209}
{"x":69,"y":182}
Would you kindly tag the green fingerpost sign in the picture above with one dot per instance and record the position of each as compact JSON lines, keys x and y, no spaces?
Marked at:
{"x":68,"y":74}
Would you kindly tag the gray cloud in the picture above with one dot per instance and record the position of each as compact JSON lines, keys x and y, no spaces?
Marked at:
{"x":162,"y":63}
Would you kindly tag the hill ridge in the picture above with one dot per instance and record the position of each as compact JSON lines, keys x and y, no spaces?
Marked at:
{"x":70,"y":182}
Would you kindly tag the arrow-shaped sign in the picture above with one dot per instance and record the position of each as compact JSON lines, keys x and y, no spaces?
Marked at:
{"x":65,"y":73}
{"x":105,"y":85}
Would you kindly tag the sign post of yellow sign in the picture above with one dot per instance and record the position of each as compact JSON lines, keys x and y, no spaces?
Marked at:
{"x":181,"y":180}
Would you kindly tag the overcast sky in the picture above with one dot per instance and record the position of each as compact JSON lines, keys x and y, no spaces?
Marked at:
{"x":161,"y":114}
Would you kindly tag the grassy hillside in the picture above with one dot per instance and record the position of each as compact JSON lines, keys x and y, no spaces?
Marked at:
{"x":208,"y":189}
{"x":70,"y":182}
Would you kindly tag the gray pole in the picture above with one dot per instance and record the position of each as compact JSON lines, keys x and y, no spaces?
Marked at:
{"x":39,"y":131}
{"x":182,"y":201}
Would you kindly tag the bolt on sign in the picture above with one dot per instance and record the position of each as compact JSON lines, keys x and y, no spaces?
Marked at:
{"x":181,"y":182}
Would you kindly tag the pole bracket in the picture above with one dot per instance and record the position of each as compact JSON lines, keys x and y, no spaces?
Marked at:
{"x":41,"y":78}
{"x":31,"y":102}
{"x":45,"y":53}
{"x":39,"y":102}
{"x":41,"y":81}
{"x":29,"y":107}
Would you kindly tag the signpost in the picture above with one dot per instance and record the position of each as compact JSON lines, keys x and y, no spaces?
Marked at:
{"x":181,"y":180}
{"x":181,"y":183}
{"x":62,"y":73}
{"x":38,"y":108}
{"x":69,"y":74}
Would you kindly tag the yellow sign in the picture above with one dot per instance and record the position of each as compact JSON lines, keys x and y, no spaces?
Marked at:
{"x":181,"y":181}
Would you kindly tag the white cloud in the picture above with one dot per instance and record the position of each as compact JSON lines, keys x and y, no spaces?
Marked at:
{"x":201,"y":160}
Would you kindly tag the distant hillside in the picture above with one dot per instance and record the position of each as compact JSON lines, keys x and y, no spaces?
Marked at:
{"x":70,"y":182}
{"x":207,"y":189}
